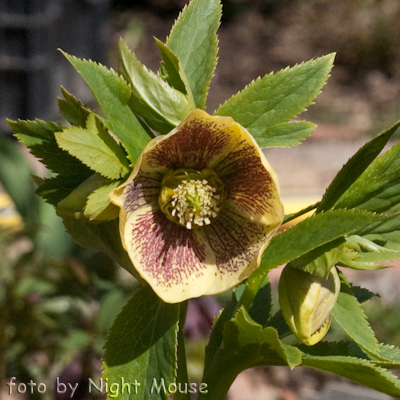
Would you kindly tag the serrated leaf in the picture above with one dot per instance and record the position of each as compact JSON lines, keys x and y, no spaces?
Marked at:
{"x":351,"y":318}
{"x":362,"y":294}
{"x":160,"y":105}
{"x":378,"y":188}
{"x":313,"y":232}
{"x":262,"y":303}
{"x":95,"y":148}
{"x":360,"y":253}
{"x":73,"y":205}
{"x":141,"y":345}
{"x":389,"y":357}
{"x":246,"y":344}
{"x":173,"y":73}
{"x":112,"y":92}
{"x":320,"y":260}
{"x":193,"y":40}
{"x":287,"y":134}
{"x":39,"y":137}
{"x":99,"y":207}
{"x":103,"y":237}
{"x":385,"y":232}
{"x":358,"y":370}
{"x":354,"y":168}
{"x":276,"y":98}
{"x":72,"y":109}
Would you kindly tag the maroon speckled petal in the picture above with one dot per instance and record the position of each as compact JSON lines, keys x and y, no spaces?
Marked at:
{"x":197,"y":144}
{"x":248,"y":182}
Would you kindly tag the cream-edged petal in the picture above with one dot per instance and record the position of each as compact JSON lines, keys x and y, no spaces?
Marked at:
{"x":172,"y":259}
{"x":139,"y":191}
{"x":251,"y":183}
{"x":199,"y":142}
{"x":237,"y":244}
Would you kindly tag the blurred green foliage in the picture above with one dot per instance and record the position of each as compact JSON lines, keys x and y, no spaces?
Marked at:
{"x":57,"y":300}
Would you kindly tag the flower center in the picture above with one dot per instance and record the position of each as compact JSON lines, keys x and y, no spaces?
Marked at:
{"x":191,"y":198}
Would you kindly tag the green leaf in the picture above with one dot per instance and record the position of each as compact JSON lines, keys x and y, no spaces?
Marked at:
{"x":354,"y":168}
{"x":161,"y":106}
{"x":385,"y":232}
{"x":104,"y":237}
{"x":358,"y":370}
{"x":173,"y":73}
{"x":287,"y":134}
{"x":99,"y":206}
{"x":246,"y":344}
{"x":72,"y":109}
{"x":389,"y":357}
{"x":378,"y":188}
{"x":320,"y":260}
{"x":73,"y":205}
{"x":141,"y":346}
{"x":217,"y":331}
{"x":277,"y":98}
{"x":53,"y":190}
{"x":16,"y":180}
{"x":309,"y":234}
{"x":95,"y":148}
{"x":39,"y":137}
{"x":194,"y":41}
{"x":360,"y":253}
{"x":351,"y":318}
{"x":261,"y":308}
{"x":112,"y":92}
{"x":362,"y":294}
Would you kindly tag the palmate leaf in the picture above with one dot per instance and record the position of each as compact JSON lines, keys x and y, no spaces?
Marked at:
{"x":95,"y":148}
{"x":246,"y":344}
{"x":161,"y":106}
{"x":141,"y":346}
{"x":193,"y":40}
{"x":113,"y":92}
{"x":276,"y":98}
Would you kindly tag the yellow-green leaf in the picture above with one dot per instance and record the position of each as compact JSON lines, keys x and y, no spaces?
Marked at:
{"x":95,"y":148}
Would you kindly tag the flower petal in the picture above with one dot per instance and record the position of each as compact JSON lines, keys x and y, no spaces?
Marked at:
{"x":181,"y":263}
{"x":199,"y":142}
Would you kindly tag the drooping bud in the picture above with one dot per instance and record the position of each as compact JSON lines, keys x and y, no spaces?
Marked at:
{"x":307,"y":301}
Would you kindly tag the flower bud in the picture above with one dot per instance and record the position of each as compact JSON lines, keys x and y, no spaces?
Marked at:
{"x":306,"y":302}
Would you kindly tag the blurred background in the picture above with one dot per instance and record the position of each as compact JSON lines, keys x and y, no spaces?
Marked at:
{"x":57,"y":300}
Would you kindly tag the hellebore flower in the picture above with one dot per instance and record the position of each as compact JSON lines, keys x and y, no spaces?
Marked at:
{"x":199,"y":208}
{"x":307,"y":301}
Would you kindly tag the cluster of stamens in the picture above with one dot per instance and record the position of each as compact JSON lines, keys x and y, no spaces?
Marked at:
{"x":195,"y":202}
{"x":191,"y":198}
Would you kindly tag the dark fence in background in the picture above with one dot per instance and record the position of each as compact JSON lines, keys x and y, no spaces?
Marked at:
{"x":31,"y":68}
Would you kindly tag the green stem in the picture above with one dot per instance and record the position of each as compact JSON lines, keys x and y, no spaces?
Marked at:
{"x":182,"y":373}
